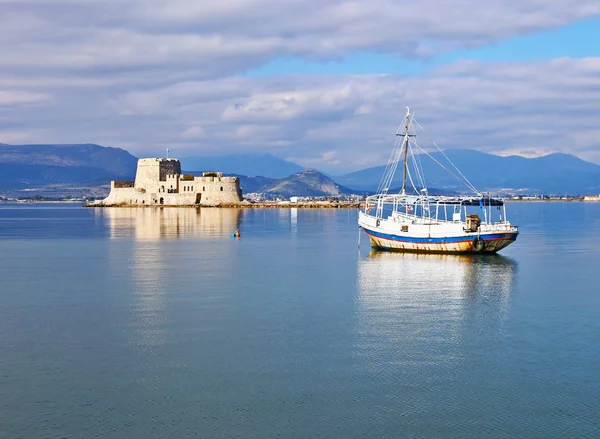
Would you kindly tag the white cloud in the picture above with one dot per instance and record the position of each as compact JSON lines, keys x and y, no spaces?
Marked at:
{"x":210,"y":38}
{"x":13,"y":136}
{"x":536,"y":106}
{"x":21,"y":97}
{"x":194,"y":132}
{"x":150,"y":74}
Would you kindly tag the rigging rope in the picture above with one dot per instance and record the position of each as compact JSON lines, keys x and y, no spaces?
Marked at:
{"x":403,"y":142}
{"x":465,"y":179}
{"x":418,"y":167}
{"x":390,"y":169}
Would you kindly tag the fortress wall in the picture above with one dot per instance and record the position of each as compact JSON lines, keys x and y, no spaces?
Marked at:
{"x":219,"y":190}
{"x":126,"y":196}
{"x":171,"y":183}
{"x":187,"y":186}
{"x":176,"y":199}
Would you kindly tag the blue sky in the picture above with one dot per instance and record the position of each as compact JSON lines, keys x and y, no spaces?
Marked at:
{"x":578,"y":40}
{"x":323,"y":83}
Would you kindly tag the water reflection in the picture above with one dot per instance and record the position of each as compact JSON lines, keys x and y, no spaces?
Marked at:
{"x":440,"y":301}
{"x":152,"y":224}
{"x":294,"y":220}
{"x":154,"y":260}
{"x":149,"y":295}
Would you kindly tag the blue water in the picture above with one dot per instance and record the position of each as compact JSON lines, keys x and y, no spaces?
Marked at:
{"x":143,"y":323}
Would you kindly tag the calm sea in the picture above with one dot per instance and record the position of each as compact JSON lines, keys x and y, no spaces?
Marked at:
{"x":142,"y":323}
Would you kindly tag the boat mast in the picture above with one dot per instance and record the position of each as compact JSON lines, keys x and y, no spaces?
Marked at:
{"x":405,"y":150}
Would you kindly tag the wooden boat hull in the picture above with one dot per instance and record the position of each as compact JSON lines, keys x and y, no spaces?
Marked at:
{"x":492,"y":243}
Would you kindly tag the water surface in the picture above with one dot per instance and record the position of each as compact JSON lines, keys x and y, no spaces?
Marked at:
{"x":154,"y":323}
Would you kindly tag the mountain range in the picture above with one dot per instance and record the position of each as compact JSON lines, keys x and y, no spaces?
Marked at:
{"x":70,"y":168}
{"x":554,"y":173}
{"x":307,"y":183}
{"x":265,"y":165}
{"x":31,"y":166}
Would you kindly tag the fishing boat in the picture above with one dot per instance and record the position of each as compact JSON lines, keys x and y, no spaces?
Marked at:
{"x":415,"y":221}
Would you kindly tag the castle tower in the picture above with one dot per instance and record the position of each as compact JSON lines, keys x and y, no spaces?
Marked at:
{"x":151,"y":172}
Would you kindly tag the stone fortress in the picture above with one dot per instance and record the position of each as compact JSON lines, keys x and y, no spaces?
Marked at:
{"x":160,"y":182}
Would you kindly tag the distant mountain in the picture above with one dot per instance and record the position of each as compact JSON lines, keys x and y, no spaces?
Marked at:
{"x":256,"y":184}
{"x":264,"y":165}
{"x":26,"y":166}
{"x":307,"y":183}
{"x":88,"y":166}
{"x":554,"y":173}
{"x":116,"y":161}
{"x":35,"y":176}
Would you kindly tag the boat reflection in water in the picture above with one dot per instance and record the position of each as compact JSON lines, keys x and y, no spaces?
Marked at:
{"x":427,"y":308}
{"x":151,"y":223}
{"x":154,"y":261}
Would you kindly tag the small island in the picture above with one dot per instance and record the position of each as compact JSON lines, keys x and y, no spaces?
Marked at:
{"x":159,"y":182}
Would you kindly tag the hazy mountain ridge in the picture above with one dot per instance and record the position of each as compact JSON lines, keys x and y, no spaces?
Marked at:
{"x":62,"y":168}
{"x":87,"y":165}
{"x":264,"y":165}
{"x":114,"y":161}
{"x":34,"y":176}
{"x":307,"y":183}
{"x":554,"y":173}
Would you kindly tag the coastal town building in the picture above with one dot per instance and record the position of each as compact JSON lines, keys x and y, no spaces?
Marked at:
{"x":159,"y":181}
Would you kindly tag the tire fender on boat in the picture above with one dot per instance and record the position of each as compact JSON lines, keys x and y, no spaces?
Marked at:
{"x":377,"y":223}
{"x":478,"y":245}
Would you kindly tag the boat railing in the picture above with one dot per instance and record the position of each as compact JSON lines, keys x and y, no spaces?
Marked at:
{"x":498,"y":227}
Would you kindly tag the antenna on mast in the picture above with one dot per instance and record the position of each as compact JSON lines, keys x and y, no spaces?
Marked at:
{"x":406,"y":135}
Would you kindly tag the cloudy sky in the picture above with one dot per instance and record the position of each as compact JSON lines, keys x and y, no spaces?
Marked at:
{"x":324,"y":83}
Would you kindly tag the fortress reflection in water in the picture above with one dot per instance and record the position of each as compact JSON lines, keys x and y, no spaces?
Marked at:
{"x":153,"y":260}
{"x":432,"y":302}
{"x":156,"y":223}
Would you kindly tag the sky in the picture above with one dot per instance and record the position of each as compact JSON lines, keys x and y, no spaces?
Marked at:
{"x":323,"y":83}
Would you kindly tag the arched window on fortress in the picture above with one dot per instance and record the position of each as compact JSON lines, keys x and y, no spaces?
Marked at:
{"x":203,"y":188}
{"x":221,"y":188}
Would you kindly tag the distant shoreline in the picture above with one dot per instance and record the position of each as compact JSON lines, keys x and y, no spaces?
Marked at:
{"x":264,"y":205}
{"x":315,"y":205}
